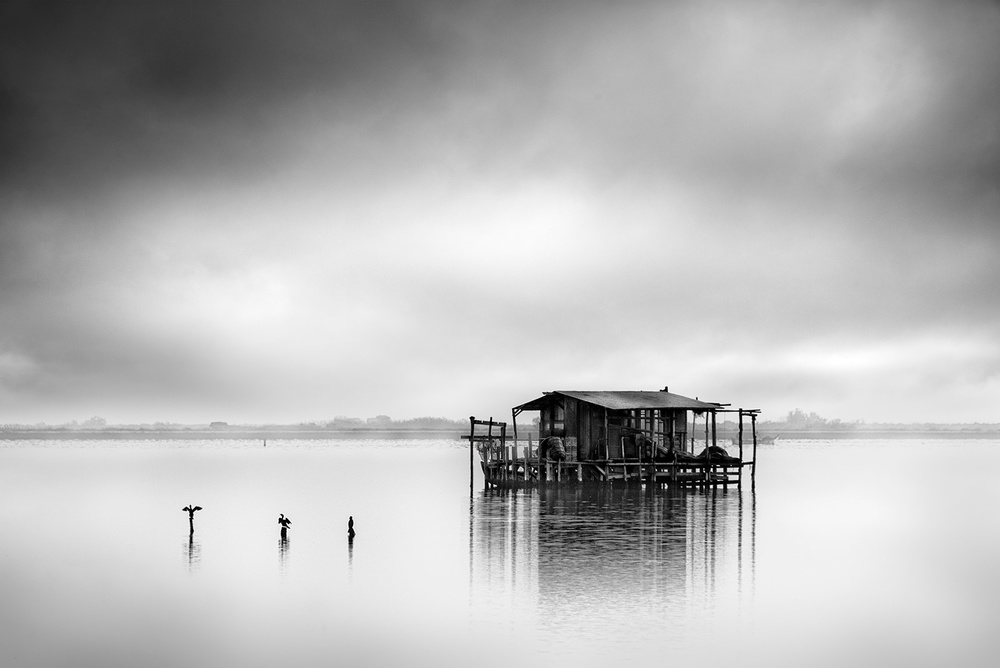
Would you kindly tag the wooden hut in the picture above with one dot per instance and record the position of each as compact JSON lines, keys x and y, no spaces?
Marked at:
{"x":639,"y":436}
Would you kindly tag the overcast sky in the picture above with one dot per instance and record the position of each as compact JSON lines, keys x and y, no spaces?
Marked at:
{"x":279,"y":212}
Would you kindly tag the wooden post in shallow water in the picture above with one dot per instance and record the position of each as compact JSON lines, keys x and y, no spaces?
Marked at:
{"x":753,"y":466}
{"x":472,"y":448}
{"x":739,"y":480}
{"x":527,"y":457}
{"x":191,"y":509}
{"x":741,"y":436}
{"x":489,"y":443}
{"x":708,"y":453}
{"x":507,"y":473}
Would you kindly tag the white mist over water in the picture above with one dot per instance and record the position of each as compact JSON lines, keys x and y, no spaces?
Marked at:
{"x":848,"y":552}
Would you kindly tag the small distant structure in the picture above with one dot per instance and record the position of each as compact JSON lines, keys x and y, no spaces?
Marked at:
{"x":383,"y":421}
{"x":218,"y":425}
{"x":643,"y":437}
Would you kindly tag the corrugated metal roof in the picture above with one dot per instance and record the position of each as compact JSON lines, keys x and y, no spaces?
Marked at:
{"x":623,"y":400}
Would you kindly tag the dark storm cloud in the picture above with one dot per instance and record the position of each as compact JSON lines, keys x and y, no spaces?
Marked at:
{"x":115,"y":87}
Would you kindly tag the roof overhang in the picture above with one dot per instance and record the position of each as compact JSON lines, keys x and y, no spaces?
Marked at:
{"x":622,"y":400}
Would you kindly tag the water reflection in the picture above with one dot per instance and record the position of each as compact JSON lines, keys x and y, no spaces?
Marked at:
{"x":192,"y":550}
{"x":610,"y":556}
{"x":283,"y":549}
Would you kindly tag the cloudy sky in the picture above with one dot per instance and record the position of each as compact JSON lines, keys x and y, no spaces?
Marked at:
{"x":278,"y":212}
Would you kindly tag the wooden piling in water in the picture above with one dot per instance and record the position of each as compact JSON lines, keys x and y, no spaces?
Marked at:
{"x":527,"y":456}
{"x":472,"y":449}
{"x":739,"y":478}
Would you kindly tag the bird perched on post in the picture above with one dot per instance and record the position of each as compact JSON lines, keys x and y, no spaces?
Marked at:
{"x":190,"y":511}
{"x":284,"y":522}
{"x":350,"y":528}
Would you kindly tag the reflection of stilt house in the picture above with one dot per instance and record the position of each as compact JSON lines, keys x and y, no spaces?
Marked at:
{"x":613,"y":435}
{"x":630,"y":546}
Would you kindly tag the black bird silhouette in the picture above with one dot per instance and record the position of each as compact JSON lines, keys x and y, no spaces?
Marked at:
{"x":190,"y":511}
{"x":284,"y":522}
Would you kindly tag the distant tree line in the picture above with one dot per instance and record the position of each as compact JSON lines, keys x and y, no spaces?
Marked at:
{"x":340,"y":423}
{"x":799,"y":421}
{"x":795,"y":421}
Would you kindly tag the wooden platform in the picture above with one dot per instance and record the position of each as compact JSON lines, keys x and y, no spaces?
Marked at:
{"x":518,"y":472}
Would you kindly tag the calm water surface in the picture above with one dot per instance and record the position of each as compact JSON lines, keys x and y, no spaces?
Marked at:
{"x":846,"y":553}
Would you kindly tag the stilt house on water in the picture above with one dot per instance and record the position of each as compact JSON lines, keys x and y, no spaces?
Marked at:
{"x":601,"y":436}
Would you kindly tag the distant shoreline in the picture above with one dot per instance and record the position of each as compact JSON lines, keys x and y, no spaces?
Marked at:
{"x":286,"y":433}
{"x":231,"y":433}
{"x":793,"y":435}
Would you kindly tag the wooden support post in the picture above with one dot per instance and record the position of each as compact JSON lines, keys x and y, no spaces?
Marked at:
{"x":527,"y":456}
{"x":503,"y":444}
{"x":741,"y":436}
{"x":513,"y":422}
{"x":607,"y":455}
{"x":489,"y":442}
{"x":472,"y":448}
{"x":739,"y":475}
{"x":579,"y":472}
{"x":753,"y":466}
{"x":708,"y":453}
